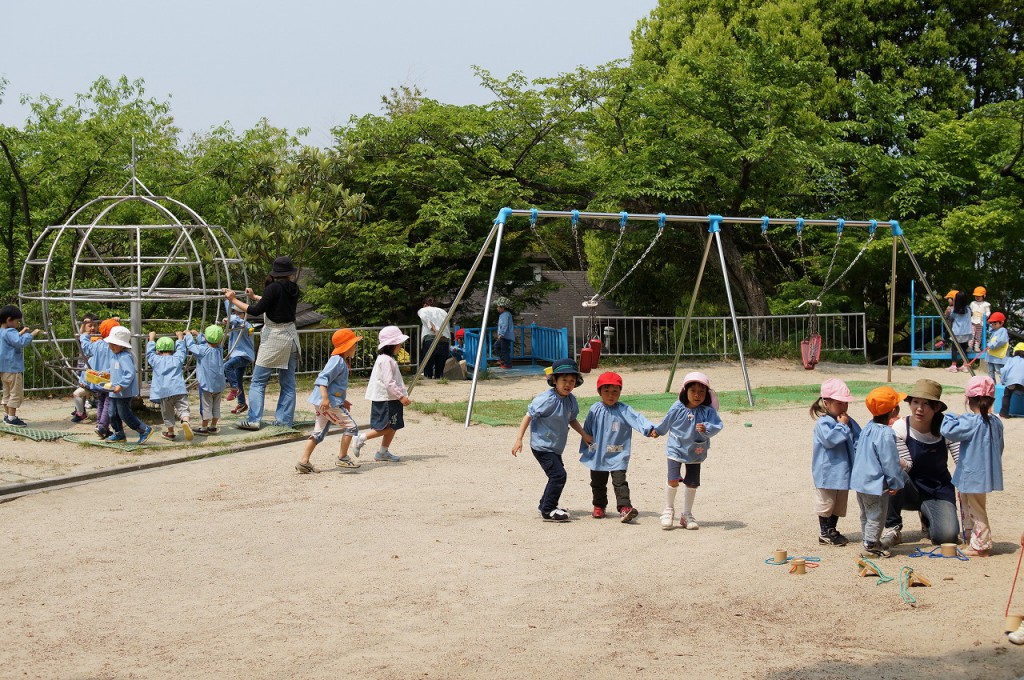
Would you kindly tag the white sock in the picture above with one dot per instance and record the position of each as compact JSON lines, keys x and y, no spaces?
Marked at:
{"x":670,"y":496}
{"x":688,"y":494}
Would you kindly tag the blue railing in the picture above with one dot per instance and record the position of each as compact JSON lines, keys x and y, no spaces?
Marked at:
{"x":926,"y":330}
{"x":532,"y":343}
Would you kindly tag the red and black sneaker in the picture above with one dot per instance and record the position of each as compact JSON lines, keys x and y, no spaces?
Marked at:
{"x":598,"y":513}
{"x":628,"y":514}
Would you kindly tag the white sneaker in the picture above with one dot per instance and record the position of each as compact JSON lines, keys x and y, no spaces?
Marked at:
{"x":668,"y":518}
{"x":360,"y":443}
{"x":1017,"y":636}
{"x":890,"y":536}
{"x":687,"y":521}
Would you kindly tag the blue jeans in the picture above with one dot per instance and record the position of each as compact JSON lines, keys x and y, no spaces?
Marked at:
{"x":285,"y":413}
{"x":121,"y":411}
{"x":937,"y":514}
{"x":553,"y":467}
{"x":505,"y":351}
{"x":234,"y":373}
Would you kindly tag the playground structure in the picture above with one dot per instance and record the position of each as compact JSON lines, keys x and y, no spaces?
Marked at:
{"x":170,"y":272}
{"x":715,"y":223}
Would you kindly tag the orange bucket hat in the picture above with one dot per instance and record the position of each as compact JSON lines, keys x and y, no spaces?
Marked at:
{"x":343,"y":340}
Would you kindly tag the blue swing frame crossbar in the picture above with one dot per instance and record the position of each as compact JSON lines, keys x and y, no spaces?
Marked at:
{"x":714,"y":223}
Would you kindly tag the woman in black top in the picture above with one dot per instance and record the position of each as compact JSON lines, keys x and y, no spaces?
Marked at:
{"x":279,"y":342}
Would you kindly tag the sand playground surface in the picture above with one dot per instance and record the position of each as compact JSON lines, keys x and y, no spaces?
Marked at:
{"x":440,"y":567}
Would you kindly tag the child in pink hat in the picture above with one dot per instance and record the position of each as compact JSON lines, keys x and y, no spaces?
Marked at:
{"x":979,"y":469}
{"x":835,"y":439}
{"x":387,"y":394}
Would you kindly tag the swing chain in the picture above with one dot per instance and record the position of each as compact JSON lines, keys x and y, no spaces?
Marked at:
{"x":828,"y":286}
{"x":575,"y":237}
{"x":540,"y":240}
{"x":650,"y":247}
{"x":611,"y":260}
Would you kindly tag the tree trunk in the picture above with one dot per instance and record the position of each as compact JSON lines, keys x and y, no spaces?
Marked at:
{"x":12,"y":208}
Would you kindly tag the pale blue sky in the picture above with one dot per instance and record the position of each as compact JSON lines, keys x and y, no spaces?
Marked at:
{"x":309,"y":63}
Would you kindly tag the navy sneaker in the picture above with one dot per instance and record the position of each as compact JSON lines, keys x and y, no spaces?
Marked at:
{"x":116,"y":437}
{"x":15,"y":421}
{"x":145,"y":434}
{"x":77,"y":417}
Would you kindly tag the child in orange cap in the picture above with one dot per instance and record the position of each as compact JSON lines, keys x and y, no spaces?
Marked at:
{"x":611,"y":423}
{"x":979,"y":469}
{"x":980,"y":310}
{"x":876,"y":471}
{"x":329,"y":396}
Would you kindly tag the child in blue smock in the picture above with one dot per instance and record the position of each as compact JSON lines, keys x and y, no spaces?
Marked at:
{"x":123,"y":386}
{"x":980,"y":467}
{"x":611,"y":424}
{"x":998,"y":344}
{"x":877,"y":473}
{"x":13,"y":341}
{"x":85,"y":392}
{"x":1012,"y":377}
{"x":241,"y":353}
{"x":100,"y":356}
{"x":690,"y":423}
{"x":167,"y":386}
{"x":330,"y":397}
{"x":835,"y":437}
{"x":549,"y":417}
{"x":209,"y":373}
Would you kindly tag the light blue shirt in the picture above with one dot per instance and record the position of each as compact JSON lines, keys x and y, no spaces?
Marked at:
{"x":876,"y":463}
{"x":832,"y":455}
{"x":243,"y":346}
{"x":980,"y":468}
{"x":167,"y":380}
{"x":995,"y":341}
{"x":12,"y":350}
{"x":961,"y":323}
{"x":685,"y":444}
{"x":122,"y":372}
{"x":550,"y":416}
{"x":505,"y":328}
{"x":1013,"y":372}
{"x":612,"y":429}
{"x":334,"y":377}
{"x":99,"y":353}
{"x":209,"y":364}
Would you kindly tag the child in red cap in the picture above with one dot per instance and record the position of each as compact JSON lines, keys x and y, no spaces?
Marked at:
{"x":876,"y":473}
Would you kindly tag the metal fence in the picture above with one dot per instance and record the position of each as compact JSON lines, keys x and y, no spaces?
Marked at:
{"x":45,"y":371}
{"x":713,"y":335}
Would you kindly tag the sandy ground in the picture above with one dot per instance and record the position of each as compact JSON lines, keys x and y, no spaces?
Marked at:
{"x":439,"y":566}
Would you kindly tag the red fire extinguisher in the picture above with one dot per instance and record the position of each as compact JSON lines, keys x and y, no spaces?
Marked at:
{"x":595,"y":345}
{"x":586,"y":357}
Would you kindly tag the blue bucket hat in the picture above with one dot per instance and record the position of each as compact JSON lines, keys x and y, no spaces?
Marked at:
{"x":565,"y":367}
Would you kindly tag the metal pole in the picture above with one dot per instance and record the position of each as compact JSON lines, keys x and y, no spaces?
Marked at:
{"x":934,"y":299}
{"x":892,"y":305}
{"x":732,"y":311}
{"x":689,"y":315}
{"x":483,"y":322}
{"x":455,"y":304}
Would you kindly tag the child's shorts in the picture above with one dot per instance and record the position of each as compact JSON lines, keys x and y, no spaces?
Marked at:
{"x":692,"y":477}
{"x":830,"y":502}
{"x":173,"y":409}
{"x":209,"y":405}
{"x":13,"y":389}
{"x":336,"y":415}
{"x":385,"y":414}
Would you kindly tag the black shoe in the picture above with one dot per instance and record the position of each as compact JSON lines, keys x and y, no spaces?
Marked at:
{"x":833,"y":537}
{"x":875,"y":550}
{"x":556,"y":515}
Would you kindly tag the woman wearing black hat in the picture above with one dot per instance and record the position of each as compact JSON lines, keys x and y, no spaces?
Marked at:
{"x":924,"y":455}
{"x":279,"y":342}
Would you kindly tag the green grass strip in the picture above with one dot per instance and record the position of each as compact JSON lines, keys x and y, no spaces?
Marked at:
{"x":510,"y":412}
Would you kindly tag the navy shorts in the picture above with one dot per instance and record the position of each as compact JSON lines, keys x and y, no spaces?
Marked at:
{"x":385,"y":414}
{"x":692,"y":477}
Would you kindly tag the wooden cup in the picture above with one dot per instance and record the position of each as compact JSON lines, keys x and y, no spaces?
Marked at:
{"x":780,"y":556}
{"x":948,"y":549}
{"x":799,"y":565}
{"x":1012,"y":623}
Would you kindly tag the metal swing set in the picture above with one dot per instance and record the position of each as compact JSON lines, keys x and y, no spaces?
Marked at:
{"x":810,"y":348}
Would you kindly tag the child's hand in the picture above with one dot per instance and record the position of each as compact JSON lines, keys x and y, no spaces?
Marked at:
{"x":653,"y":434}
{"x":892,"y":492}
{"x":37,"y":332}
{"x":844,"y":419}
{"x":23,"y":330}
{"x":117,"y":389}
{"x":179,"y":335}
{"x":152,"y":336}
{"x":701,"y":428}
{"x":347,"y":405}
{"x":194,"y":332}
{"x":518,"y":446}
{"x":405,"y":401}
{"x":587,"y":439}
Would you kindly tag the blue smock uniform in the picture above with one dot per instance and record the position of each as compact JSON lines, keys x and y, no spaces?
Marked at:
{"x":612,"y":429}
{"x":832,"y":454}
{"x":12,"y":350}
{"x":550,"y":416}
{"x":334,"y":377}
{"x":876,"y":463}
{"x":99,"y":353}
{"x":209,"y":364}
{"x":980,"y":467}
{"x":685,"y":444}
{"x":167,"y":380}
{"x":122,"y":372}
{"x":1013,"y":372}
{"x":243,"y":346}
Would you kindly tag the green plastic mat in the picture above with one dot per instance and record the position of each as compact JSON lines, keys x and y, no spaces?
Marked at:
{"x":91,"y":440}
{"x":33,"y":434}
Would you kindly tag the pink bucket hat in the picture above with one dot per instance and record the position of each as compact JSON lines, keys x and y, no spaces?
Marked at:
{"x":980,"y":386}
{"x":698,"y":377}
{"x":390,"y":335}
{"x":836,"y":389}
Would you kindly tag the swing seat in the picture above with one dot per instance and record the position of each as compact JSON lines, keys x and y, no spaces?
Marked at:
{"x":586,"y":359}
{"x":595,"y":346}
{"x":810,"y":351}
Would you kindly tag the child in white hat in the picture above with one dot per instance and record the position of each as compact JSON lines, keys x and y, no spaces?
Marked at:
{"x":386,"y":390}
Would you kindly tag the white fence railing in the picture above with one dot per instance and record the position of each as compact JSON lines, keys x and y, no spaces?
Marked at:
{"x":655,"y":336}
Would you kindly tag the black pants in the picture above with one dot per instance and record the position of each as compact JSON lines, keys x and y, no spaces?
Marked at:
{"x":434,"y":364}
{"x":1008,"y":390}
{"x":553,"y":467}
{"x":599,"y":486}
